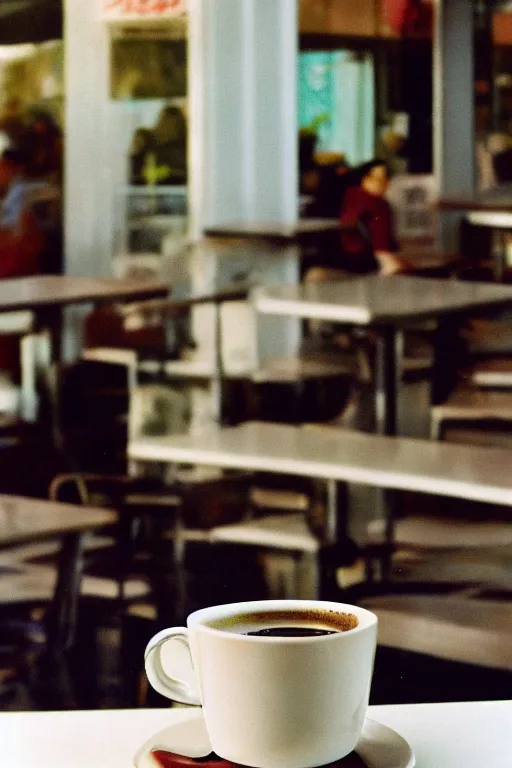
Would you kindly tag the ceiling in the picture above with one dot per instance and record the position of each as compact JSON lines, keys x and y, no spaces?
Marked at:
{"x":30,"y":21}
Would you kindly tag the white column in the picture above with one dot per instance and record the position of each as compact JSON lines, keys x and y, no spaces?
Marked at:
{"x":243,"y":141}
{"x":454,"y":133}
{"x":88,"y":167}
{"x":248,"y":121}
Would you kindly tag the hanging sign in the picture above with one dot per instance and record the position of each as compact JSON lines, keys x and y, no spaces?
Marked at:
{"x":137,"y":10}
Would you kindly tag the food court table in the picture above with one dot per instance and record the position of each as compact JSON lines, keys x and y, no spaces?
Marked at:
{"x":24,"y":520}
{"x":337,"y":455}
{"x":297,"y":231}
{"x":497,"y":199}
{"x":46,"y":295}
{"x":491,"y":209}
{"x":387,"y":305}
{"x":42,"y":291}
{"x":458,"y":735}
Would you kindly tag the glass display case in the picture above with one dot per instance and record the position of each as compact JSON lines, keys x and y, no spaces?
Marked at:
{"x":148,"y":92}
{"x":151,"y":225}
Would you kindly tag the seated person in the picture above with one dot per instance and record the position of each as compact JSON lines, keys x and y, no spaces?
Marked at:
{"x":367,"y":241}
{"x":21,"y":241}
{"x":21,"y":238}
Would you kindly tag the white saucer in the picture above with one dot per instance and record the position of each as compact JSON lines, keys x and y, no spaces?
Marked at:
{"x":379,"y":746}
{"x":382,"y":747}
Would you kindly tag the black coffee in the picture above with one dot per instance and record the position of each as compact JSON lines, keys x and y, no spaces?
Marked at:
{"x":291,"y":632}
{"x":287,"y":623}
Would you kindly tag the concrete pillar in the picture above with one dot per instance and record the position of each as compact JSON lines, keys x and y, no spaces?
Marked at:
{"x":88,"y":165}
{"x":454,"y":135}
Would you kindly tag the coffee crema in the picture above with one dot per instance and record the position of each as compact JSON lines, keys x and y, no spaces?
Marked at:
{"x":287,"y":623}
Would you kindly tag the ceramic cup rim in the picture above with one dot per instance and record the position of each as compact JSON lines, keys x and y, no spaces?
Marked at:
{"x":197,"y":620}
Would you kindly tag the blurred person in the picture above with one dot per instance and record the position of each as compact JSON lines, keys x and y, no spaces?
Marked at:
{"x":170,"y":145}
{"x":14,"y":130}
{"x":367,"y":244}
{"x":43,"y":177}
{"x":308,"y":172}
{"x":21,"y":237}
{"x":367,"y":239}
{"x":392,"y":151}
{"x":21,"y":242}
{"x":45,"y":146}
{"x":13,"y":188}
{"x":142,"y":143}
{"x":329,"y":169}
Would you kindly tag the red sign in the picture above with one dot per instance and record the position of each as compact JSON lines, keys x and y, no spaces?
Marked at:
{"x":409,"y":18}
{"x":143,"y":8}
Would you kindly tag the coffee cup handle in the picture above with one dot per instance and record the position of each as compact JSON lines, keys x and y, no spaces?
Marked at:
{"x":170,"y":687}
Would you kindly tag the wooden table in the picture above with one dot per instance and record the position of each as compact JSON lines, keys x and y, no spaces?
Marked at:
{"x":458,"y":735}
{"x":387,"y":305}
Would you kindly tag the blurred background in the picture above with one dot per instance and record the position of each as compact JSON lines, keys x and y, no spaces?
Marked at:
{"x":205,"y":149}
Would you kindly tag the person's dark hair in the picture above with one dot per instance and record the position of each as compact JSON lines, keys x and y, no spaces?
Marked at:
{"x":15,"y":129}
{"x":331,"y":190}
{"x":354,"y":176}
{"x":176,"y":114}
{"x":15,"y":156}
{"x":307,"y":146}
{"x":42,"y":119}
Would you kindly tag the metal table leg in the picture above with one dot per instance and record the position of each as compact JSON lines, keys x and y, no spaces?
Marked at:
{"x":500,"y":258}
{"x":387,"y":379}
{"x":448,"y":358}
{"x":62,"y":614}
{"x":387,"y":384}
{"x":336,"y":539}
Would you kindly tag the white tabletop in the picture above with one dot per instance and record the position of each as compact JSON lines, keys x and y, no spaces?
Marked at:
{"x":52,"y":290}
{"x":468,"y":735}
{"x":374,"y":299}
{"x":428,"y":466}
{"x":24,"y":519}
{"x":495,"y":199}
{"x":274,"y":229}
{"x":491,"y":219}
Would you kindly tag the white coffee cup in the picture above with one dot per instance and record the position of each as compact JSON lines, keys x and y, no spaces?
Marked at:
{"x":273,"y":702}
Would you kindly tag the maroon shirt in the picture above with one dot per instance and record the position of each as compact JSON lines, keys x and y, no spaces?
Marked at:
{"x":374,"y":230}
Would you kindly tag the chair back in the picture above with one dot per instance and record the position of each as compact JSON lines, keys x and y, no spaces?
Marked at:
{"x":88,"y":409}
